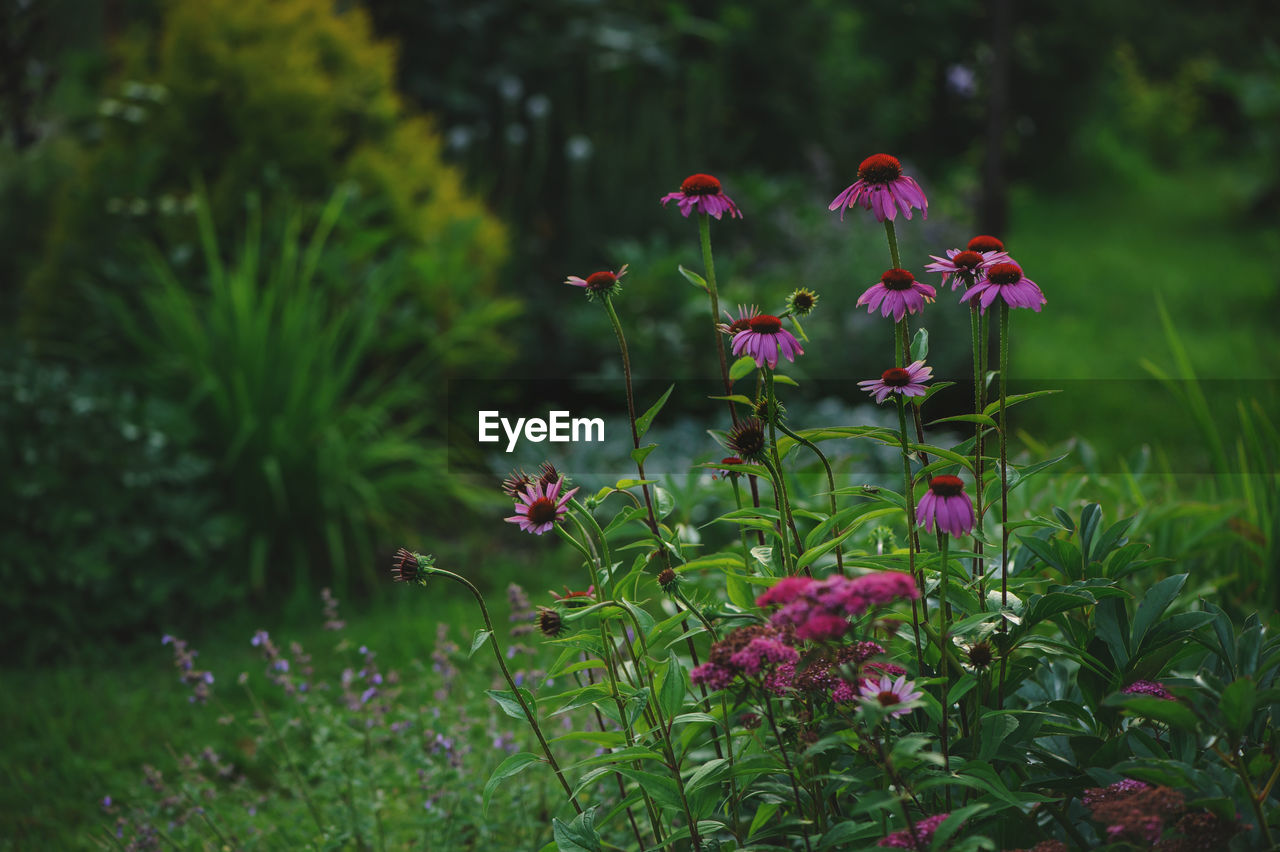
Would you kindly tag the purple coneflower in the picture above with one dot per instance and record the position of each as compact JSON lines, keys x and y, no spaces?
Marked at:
{"x":883,"y":189}
{"x":604,"y":282}
{"x":946,"y":505}
{"x":904,"y":381}
{"x":967,"y":265}
{"x":703,"y":194}
{"x":540,"y":507}
{"x":1005,"y":281}
{"x":898,"y":293}
{"x":743,"y":322}
{"x":764,"y":339}
{"x":895,"y":696}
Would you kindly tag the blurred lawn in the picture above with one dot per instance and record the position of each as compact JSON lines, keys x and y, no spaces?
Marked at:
{"x":1104,"y":255}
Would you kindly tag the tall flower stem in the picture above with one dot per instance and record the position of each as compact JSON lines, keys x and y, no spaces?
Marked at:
{"x":976,"y":329}
{"x":831,"y":488}
{"x":908,"y":496}
{"x":786,"y":762}
{"x":742,"y":531}
{"x":1004,"y":484}
{"x":779,"y":477}
{"x":892,"y":234}
{"x":944,"y":625}
{"x":506,"y":675}
{"x":631,"y":415}
{"x":708,"y":263}
{"x":622,"y":787}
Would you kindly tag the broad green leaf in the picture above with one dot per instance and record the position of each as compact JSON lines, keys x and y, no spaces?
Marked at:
{"x":482,"y":636}
{"x":692,"y":277}
{"x":920,"y":345}
{"x":643,"y":421}
{"x":1173,"y":713}
{"x":507,"y":701}
{"x":1238,"y":701}
{"x":643,"y":453}
{"x":1015,"y":399}
{"x":671,"y":694}
{"x":785,"y":380}
{"x":578,"y":835}
{"x":1153,"y":605}
{"x":742,"y":368}
{"x":513,"y":765}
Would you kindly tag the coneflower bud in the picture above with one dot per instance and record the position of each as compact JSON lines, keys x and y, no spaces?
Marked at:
{"x":980,"y":654}
{"x":516,"y":483}
{"x":802,"y":301}
{"x":747,"y":439}
{"x":549,"y":622}
{"x":668,"y":580}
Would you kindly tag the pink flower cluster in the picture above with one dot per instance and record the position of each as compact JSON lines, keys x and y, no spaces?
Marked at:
{"x":746,"y":652}
{"x":923,"y":835}
{"x":819,"y":610}
{"x":1148,"y":687}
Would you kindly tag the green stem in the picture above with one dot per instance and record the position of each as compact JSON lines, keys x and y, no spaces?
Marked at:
{"x":979,"y":346}
{"x":1004,"y":484}
{"x":779,"y":477}
{"x":892,"y":234}
{"x":506,"y":675}
{"x":786,"y":762}
{"x":944,"y":623}
{"x":288,"y":756}
{"x":631,"y":415}
{"x":831,"y":488}
{"x":742,"y":531}
{"x":908,"y":496}
{"x":708,"y":263}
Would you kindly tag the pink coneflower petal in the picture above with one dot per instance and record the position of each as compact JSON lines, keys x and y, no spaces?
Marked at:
{"x":883,"y":189}
{"x":946,"y":506}
{"x":704,"y":194}
{"x":764,"y":339}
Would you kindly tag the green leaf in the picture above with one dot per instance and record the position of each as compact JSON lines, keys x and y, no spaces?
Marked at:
{"x":1238,"y":701}
{"x":965,"y":418}
{"x":785,"y":380}
{"x":507,"y":701}
{"x":1111,"y":621}
{"x":671,"y":694}
{"x":815,"y":553}
{"x":742,"y":368}
{"x":482,"y":636}
{"x":920,"y":345}
{"x":578,"y":835}
{"x":692,"y":277}
{"x":841,"y":833}
{"x":1153,"y":605}
{"x":639,"y":455}
{"x":513,"y":765}
{"x":734,"y":397}
{"x":643,"y":421}
{"x":1011,"y":401}
{"x":636,"y":705}
{"x":1173,"y":713}
{"x":763,"y":815}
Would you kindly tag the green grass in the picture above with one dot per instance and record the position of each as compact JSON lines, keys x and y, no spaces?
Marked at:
{"x":1105,"y":256}
{"x":76,"y":731}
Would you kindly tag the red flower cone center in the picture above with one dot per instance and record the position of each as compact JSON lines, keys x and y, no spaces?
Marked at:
{"x":967,"y":259}
{"x":542,"y":511}
{"x":947,"y":486}
{"x":765,"y":324}
{"x":897,"y":279}
{"x":888,"y":699}
{"x":1004,"y":273}
{"x":700,"y":185}
{"x":896,"y":377}
{"x":985,"y":242}
{"x":601,"y":280}
{"x":880,"y":168}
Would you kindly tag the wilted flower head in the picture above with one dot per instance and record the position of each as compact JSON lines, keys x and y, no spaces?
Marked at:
{"x":599,"y":284}
{"x":668,"y":579}
{"x":549,"y":622}
{"x":747,"y":439}
{"x":763,"y":339}
{"x":409,"y":567}
{"x":904,"y":381}
{"x":741,"y":323}
{"x":516,"y":483}
{"x":702,"y":193}
{"x":897,"y":293}
{"x":883,"y":189}
{"x":541,"y":507}
{"x":947,"y":506}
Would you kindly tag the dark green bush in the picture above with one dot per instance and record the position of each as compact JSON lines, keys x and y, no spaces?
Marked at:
{"x":111,"y":522}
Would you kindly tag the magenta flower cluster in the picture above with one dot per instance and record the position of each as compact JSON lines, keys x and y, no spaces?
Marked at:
{"x":819,"y":610}
{"x":919,"y":838}
{"x":1148,"y":687}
